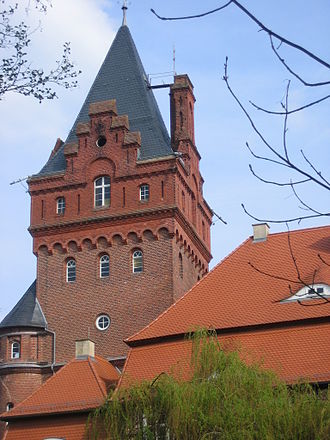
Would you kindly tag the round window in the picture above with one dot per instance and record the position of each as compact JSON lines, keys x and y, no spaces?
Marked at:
{"x":103,"y":322}
{"x":101,"y":141}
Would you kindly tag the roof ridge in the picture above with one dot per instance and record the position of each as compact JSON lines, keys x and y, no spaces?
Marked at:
{"x":97,"y":378}
{"x":295,"y":231}
{"x":132,"y":338}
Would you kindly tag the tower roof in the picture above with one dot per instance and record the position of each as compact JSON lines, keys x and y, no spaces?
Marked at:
{"x":122,"y":77}
{"x":27,"y":312}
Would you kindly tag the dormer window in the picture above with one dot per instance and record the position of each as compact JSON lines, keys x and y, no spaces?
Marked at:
{"x":15,"y":350}
{"x":60,"y":205}
{"x":313,"y":291}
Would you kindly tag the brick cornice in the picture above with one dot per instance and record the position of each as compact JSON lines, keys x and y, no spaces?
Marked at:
{"x":192,"y":234}
{"x":87,"y":221}
{"x":66,"y":187}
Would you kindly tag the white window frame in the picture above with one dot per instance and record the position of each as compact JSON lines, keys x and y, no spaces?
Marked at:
{"x":103,"y":322}
{"x":104,"y":266}
{"x":71,"y":270}
{"x":137,"y":261}
{"x":15,"y":350}
{"x":310,"y":292}
{"x":144,"y":192}
{"x":104,"y":187}
{"x":60,"y":205}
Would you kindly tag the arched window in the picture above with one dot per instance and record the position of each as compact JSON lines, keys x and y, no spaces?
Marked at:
{"x":60,"y":205}
{"x":144,"y":192}
{"x":104,"y":266}
{"x":137,"y":260}
{"x":71,"y":271}
{"x":102,"y":191}
{"x":15,"y":350}
{"x":180,"y":265}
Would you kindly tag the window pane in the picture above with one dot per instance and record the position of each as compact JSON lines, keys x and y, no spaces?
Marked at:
{"x":104,"y":266}
{"x":71,"y":271}
{"x":137,"y":261}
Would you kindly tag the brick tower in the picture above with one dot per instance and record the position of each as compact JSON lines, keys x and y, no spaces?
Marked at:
{"x":119,"y":224}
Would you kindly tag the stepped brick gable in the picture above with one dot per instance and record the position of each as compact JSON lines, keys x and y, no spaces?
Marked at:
{"x":119,"y":223}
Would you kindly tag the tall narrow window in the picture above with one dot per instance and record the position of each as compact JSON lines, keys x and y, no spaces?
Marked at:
{"x":15,"y":350}
{"x":162,"y":189}
{"x":102,"y":191}
{"x":144,"y":192}
{"x":104,"y":266}
{"x":60,"y":205}
{"x":124,"y":196}
{"x":71,"y":271}
{"x":137,"y":261}
{"x":180,"y":265}
{"x":203,"y":230}
{"x":183,"y":202}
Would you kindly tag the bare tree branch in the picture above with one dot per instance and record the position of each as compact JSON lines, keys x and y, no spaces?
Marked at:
{"x":295,"y":219}
{"x":307,"y":84}
{"x":258,"y":22}
{"x":289,"y":112}
{"x":273,"y":182}
{"x":283,"y":159}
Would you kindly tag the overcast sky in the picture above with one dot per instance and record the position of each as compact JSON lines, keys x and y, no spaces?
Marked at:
{"x":29,"y":129}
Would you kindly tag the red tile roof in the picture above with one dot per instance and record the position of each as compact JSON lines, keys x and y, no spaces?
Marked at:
{"x":81,"y":385}
{"x":237,"y":294}
{"x":68,"y":428}
{"x":295,"y":352}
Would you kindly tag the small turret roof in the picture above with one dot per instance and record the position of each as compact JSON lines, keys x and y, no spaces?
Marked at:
{"x":27,"y":312}
{"x":122,"y":77}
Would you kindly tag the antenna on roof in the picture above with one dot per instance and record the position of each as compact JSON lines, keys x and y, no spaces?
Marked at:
{"x":174,"y":72}
{"x":124,"y":8}
{"x":21,"y":182}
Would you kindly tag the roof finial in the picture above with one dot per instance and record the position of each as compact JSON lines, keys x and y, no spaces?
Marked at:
{"x":124,"y":8}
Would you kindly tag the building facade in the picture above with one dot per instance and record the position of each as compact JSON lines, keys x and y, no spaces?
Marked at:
{"x":119,"y":224}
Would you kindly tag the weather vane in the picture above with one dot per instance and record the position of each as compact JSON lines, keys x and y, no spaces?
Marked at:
{"x":124,"y":8}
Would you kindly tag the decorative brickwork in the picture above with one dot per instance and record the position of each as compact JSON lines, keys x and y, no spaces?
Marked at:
{"x":97,"y":175}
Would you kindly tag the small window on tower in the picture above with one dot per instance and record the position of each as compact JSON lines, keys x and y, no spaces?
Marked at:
{"x":180,"y":265}
{"x":144,"y":192}
{"x":9,"y":406}
{"x":15,"y":350}
{"x":60,"y":205}
{"x":137,"y":261}
{"x":71,"y":271}
{"x":104,"y":266}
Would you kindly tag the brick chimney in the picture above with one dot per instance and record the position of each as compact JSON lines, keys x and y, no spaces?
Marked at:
{"x":85,"y":347}
{"x":260,"y":232}
{"x":182,"y":110}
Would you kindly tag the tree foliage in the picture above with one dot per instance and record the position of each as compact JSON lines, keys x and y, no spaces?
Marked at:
{"x":17,"y":72}
{"x":224,"y":399}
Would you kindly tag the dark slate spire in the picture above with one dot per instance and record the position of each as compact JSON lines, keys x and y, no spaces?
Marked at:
{"x":122,"y":77}
{"x":27,"y":312}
